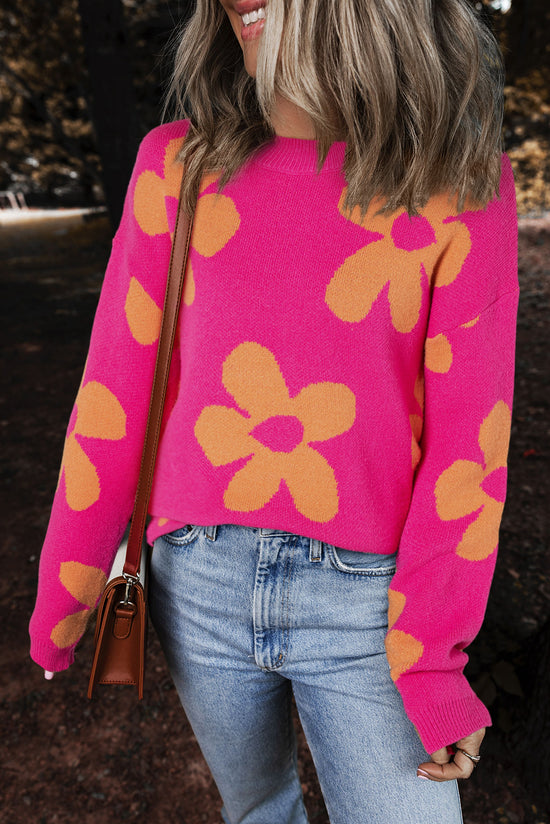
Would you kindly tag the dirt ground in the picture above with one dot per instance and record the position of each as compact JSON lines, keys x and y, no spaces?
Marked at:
{"x":65,"y":759}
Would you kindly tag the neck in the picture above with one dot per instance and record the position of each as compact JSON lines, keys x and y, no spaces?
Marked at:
{"x":289,"y":120}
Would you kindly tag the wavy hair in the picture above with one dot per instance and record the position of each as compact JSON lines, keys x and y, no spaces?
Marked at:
{"x":414,"y":88}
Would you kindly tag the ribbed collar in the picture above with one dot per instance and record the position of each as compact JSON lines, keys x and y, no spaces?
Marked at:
{"x":297,"y":156}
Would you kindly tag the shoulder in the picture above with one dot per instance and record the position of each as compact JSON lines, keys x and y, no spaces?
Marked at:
{"x":163,"y":134}
{"x":497,"y":221}
{"x":507,"y":186}
{"x":493,"y":237}
{"x":157,"y":141}
{"x":155,"y":177}
{"x":507,"y":174}
{"x":500,"y":215}
{"x":504,"y":199}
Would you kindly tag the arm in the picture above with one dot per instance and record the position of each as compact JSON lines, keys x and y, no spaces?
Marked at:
{"x":448,"y":547}
{"x":100,"y":464}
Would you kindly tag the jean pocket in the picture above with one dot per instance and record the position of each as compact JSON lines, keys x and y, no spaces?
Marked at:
{"x":183,"y":536}
{"x":361,"y":563}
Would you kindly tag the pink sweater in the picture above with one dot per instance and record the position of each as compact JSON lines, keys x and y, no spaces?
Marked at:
{"x":344,"y":379}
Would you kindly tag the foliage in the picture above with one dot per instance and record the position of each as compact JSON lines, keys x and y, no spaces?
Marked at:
{"x":48,"y":146}
{"x":43,"y":90}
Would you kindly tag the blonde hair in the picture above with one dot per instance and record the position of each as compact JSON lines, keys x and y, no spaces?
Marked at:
{"x":414,"y":88}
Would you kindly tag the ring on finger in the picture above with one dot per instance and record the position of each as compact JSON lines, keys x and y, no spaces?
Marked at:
{"x":475,"y":759}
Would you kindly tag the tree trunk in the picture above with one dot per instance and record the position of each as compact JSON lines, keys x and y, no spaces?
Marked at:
{"x":113,"y":104}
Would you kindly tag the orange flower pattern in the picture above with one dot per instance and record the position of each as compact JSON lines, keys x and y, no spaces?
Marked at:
{"x":216,"y":221}
{"x":406,"y":248}
{"x":275,"y":434}
{"x":152,"y":191}
{"x":99,"y":415}
{"x":402,"y":649}
{"x":438,"y":352}
{"x":466,"y":487}
{"x":85,"y":583}
{"x":142,"y":314}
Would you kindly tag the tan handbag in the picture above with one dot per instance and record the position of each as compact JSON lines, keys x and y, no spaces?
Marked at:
{"x":121,"y":628}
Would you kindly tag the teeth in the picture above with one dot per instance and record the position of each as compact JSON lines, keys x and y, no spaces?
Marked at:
{"x":253,"y":17}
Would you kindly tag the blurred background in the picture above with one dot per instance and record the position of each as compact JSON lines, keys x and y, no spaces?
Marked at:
{"x":81,"y":82}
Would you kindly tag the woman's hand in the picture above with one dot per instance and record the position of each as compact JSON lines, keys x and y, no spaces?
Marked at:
{"x":446,"y":767}
{"x":48,"y":675}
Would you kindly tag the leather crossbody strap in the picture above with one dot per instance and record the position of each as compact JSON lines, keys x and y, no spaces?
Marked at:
{"x":172,"y":300}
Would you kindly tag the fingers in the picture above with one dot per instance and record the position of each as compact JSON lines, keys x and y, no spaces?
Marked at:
{"x":440,"y":768}
{"x":446,"y":767}
{"x":472,"y":743}
{"x":48,"y":675}
{"x":459,"y":767}
{"x":442,"y":756}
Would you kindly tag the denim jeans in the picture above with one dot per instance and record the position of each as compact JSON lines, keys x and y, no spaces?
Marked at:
{"x":246,"y":617}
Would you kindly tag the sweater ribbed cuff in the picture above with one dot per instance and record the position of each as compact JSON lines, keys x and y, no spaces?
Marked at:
{"x":53,"y":661}
{"x":439,"y":725}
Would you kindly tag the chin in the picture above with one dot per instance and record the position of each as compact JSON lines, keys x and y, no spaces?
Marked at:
{"x":250,"y":64}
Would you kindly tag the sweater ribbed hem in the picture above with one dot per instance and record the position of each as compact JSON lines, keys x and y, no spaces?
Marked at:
{"x":442,"y":724}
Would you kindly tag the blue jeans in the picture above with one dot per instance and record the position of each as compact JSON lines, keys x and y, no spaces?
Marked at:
{"x":246,"y":616}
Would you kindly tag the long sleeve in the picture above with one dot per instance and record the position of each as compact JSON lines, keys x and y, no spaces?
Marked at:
{"x":100,"y":464}
{"x":448,"y":546}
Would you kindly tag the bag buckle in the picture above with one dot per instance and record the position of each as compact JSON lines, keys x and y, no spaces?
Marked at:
{"x":131,"y":581}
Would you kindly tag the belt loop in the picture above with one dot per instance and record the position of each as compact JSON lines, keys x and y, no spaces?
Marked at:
{"x":315,"y":550}
{"x":211,"y":532}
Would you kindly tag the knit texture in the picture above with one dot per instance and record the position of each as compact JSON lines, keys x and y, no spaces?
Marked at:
{"x":341,"y":378}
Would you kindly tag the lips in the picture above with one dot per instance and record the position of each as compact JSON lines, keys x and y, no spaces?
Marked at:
{"x":252,"y":16}
{"x":246,"y":6}
{"x":251,"y":31}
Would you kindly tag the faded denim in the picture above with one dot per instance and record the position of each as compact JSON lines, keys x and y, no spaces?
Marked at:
{"x":248,"y":616}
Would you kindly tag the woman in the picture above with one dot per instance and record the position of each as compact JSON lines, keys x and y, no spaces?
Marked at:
{"x":331,"y":472}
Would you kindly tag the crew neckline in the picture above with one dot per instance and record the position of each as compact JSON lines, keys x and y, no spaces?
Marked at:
{"x":297,"y":155}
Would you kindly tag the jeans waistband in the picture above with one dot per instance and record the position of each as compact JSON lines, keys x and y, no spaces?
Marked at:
{"x":315,"y":546}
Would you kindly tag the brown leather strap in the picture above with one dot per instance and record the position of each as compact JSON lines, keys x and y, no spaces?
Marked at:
{"x":174,"y":287}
